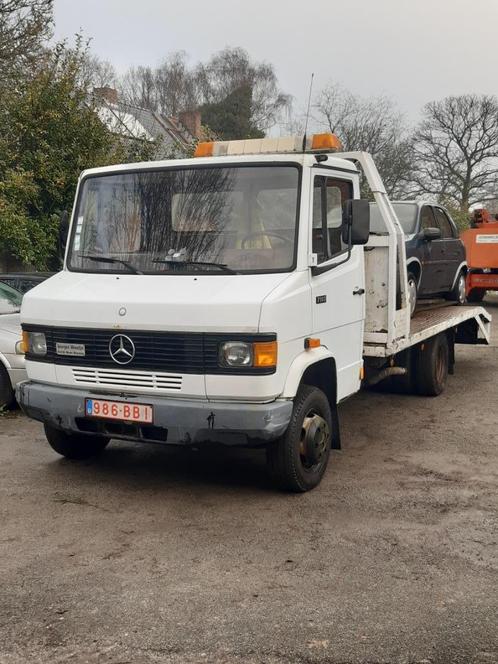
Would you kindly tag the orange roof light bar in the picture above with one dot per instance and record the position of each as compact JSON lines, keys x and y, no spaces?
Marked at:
{"x":204,"y":149}
{"x":281,"y":145}
{"x":328,"y":142}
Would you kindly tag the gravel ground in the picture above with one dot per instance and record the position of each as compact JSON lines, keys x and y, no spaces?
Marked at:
{"x":157,"y":555}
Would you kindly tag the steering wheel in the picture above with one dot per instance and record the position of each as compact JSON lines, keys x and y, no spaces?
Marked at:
{"x":250,"y":236}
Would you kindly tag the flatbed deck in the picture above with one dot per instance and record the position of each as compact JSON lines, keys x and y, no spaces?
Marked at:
{"x":432,"y":319}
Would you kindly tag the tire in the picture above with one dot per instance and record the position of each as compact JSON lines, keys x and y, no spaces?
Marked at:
{"x":74,"y":445}
{"x":6,"y":389}
{"x":412,"y":292}
{"x":476,"y":295}
{"x":432,"y":366}
{"x":298,"y":460}
{"x":458,"y":293}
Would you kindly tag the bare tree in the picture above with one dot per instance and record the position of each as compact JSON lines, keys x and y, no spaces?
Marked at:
{"x":97,"y":73}
{"x":232,"y":69}
{"x":138,"y":88}
{"x":168,"y":89}
{"x":456,"y":150}
{"x":24,"y":27}
{"x":373,"y":125}
{"x":174,"y":87}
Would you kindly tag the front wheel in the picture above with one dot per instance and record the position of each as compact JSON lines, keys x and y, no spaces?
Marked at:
{"x":74,"y":445}
{"x":298,"y":460}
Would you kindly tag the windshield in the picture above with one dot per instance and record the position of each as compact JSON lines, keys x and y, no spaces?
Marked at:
{"x":240,"y":219}
{"x":407,"y":215}
{"x":10,"y":299}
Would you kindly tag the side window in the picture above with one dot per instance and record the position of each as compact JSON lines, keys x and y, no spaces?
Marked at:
{"x":443,"y":223}
{"x":329,"y":196}
{"x":427,"y":218}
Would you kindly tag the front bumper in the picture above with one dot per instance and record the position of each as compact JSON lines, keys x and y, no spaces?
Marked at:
{"x":176,"y":421}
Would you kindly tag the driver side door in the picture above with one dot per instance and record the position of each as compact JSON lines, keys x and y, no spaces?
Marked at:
{"x":337,"y":282}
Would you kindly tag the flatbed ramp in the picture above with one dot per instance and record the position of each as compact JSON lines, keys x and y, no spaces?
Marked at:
{"x":471,"y":324}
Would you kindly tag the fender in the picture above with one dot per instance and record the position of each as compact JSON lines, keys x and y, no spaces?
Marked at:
{"x":5,"y":362}
{"x":299,"y":366}
{"x":463,"y":266}
{"x":304,"y":362}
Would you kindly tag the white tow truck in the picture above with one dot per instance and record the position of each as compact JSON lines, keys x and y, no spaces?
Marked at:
{"x":237,"y":298}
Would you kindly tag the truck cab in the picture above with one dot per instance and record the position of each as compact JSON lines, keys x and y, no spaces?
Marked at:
{"x":219,"y":299}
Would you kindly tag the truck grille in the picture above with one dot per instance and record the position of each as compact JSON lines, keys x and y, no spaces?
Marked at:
{"x":161,"y":354}
{"x":117,"y":378}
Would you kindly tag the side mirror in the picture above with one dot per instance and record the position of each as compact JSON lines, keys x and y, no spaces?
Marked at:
{"x":356,"y":221}
{"x":429,"y":234}
{"x":63,"y":231}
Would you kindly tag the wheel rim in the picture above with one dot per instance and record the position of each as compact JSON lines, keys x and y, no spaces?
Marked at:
{"x":440,"y":366}
{"x":314,"y":441}
{"x":412,"y":294}
{"x":461,"y":289}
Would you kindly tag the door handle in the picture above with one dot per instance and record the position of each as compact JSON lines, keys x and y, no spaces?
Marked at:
{"x":358,"y":291}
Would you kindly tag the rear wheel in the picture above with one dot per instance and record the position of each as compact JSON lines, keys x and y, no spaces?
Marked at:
{"x":458,"y":293}
{"x":298,"y":460}
{"x":74,"y":445}
{"x":6,"y":391}
{"x":476,"y":295}
{"x":432,"y":366}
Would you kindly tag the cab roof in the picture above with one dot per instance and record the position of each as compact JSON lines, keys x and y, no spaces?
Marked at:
{"x":304,"y":159}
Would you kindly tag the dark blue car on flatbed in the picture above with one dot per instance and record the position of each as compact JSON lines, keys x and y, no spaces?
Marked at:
{"x":435,"y":255}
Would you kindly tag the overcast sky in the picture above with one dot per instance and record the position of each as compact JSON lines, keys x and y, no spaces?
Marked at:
{"x":411,"y":50}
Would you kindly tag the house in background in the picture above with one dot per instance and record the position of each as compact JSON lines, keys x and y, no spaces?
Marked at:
{"x":141,"y":124}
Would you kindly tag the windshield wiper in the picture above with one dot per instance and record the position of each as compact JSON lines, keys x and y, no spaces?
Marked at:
{"x":111,"y":259}
{"x":174,"y":261}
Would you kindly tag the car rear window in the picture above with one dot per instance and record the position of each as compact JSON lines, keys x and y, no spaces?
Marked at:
{"x":406,"y":213}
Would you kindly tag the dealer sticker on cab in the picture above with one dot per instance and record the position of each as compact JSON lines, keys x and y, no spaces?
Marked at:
{"x":73,"y":350}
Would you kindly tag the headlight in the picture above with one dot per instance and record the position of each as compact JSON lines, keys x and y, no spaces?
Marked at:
{"x":34,"y":343}
{"x":236,"y":354}
{"x":261,"y":354}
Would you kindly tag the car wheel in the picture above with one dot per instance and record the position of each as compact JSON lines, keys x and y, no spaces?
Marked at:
{"x":476,"y":295}
{"x":6,"y":390}
{"x":459,"y":292}
{"x":298,"y":460}
{"x":412,"y":292}
{"x":74,"y":445}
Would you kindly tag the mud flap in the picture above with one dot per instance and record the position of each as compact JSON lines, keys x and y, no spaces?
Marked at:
{"x":336,"y":430}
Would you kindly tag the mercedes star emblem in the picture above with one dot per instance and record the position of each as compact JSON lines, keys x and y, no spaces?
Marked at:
{"x":121,"y":349}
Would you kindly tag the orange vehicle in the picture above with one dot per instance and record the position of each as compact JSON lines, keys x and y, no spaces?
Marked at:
{"x":481,"y":244}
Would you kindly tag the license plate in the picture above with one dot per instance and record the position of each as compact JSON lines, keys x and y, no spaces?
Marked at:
{"x":118,"y":410}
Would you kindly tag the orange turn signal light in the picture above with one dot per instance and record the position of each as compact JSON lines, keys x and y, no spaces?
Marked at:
{"x":265,"y":354}
{"x":309,"y":343}
{"x":325,"y":142}
{"x":25,"y":342}
{"x":205,"y":149}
